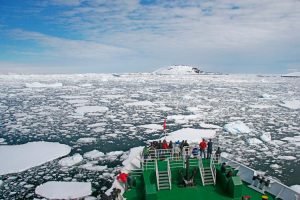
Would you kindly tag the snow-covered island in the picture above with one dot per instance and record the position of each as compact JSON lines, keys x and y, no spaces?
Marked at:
{"x":293,"y":74}
{"x":181,"y":70}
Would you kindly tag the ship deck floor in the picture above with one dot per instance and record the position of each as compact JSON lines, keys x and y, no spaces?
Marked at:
{"x":197,"y":193}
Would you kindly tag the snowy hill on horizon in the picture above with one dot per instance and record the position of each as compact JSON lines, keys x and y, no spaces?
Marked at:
{"x":179,"y":70}
{"x":293,"y":74}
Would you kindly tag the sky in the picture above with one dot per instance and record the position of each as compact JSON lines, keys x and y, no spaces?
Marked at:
{"x":117,"y":36}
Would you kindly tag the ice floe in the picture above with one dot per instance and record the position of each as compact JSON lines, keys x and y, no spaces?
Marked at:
{"x":190,"y":134}
{"x":287,"y":157}
{"x":140,"y":103}
{"x":71,"y":160}
{"x":152,"y":126}
{"x":94,"y":154}
{"x":92,"y":167}
{"x":295,"y":188}
{"x":17,"y":158}
{"x":266,"y":137}
{"x":254,"y":141}
{"x":86,"y":140}
{"x":293,"y":104}
{"x":2,"y":141}
{"x":90,"y":109}
{"x":237,"y":127}
{"x":43,"y":85}
{"x":64,"y":190}
{"x":209,"y":126}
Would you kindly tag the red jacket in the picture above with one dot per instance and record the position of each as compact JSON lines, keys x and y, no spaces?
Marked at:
{"x":122,"y":177}
{"x":165,"y":146}
{"x":203,"y":145}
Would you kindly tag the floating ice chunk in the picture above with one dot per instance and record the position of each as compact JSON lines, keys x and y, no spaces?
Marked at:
{"x":275,"y":166}
{"x":293,"y":104}
{"x":95,"y":154}
{"x":140,"y":103}
{"x":86,"y":140}
{"x":254,"y":141}
{"x":266,"y":137}
{"x":164,"y":108}
{"x":296,"y":188}
{"x":17,"y":158}
{"x":237,"y":127}
{"x":92,"y":167}
{"x":190,"y":134}
{"x":1,"y":182}
{"x":152,"y":126}
{"x":70,"y":161}
{"x":287,"y":157}
{"x":115,"y":153}
{"x":90,"y":109}
{"x":2,"y":140}
{"x":267,"y":96}
{"x":260,"y":106}
{"x":43,"y":85}
{"x":209,"y":126}
{"x":64,"y":190}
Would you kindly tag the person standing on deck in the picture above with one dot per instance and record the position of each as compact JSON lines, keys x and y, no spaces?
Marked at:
{"x":209,"y":148}
{"x":202,"y":146}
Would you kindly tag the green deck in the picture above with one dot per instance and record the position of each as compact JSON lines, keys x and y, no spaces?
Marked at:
{"x":195,"y":193}
{"x":146,"y":183}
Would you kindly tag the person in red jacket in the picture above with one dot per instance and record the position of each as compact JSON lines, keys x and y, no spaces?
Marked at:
{"x":202,"y":146}
{"x":165,"y":145}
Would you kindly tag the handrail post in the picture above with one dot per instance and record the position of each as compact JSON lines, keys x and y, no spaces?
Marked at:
{"x":169,"y":173}
{"x":157,"y":175}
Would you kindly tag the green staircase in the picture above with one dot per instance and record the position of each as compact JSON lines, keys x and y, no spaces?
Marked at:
{"x":163,"y":176}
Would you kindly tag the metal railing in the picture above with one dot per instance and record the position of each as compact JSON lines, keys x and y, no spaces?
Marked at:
{"x":275,"y":188}
{"x":157,"y":174}
{"x":169,"y":173}
{"x":213,"y":169}
{"x":201,"y":169}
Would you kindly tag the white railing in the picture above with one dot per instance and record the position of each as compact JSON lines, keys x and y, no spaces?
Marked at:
{"x":213,"y":169}
{"x":276,"y":188}
{"x":169,"y":174}
{"x":201,"y":169}
{"x":163,"y":153}
{"x":157,"y":174}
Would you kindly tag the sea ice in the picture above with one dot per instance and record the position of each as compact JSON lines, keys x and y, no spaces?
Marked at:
{"x":86,"y":140}
{"x":140,"y":103}
{"x":2,"y":140}
{"x":275,"y":166}
{"x":95,"y":154}
{"x":293,"y":104}
{"x":237,"y":127}
{"x":90,"y":109}
{"x":295,"y":188}
{"x":92,"y":167}
{"x":17,"y":158}
{"x":287,"y":157}
{"x":266,"y":137}
{"x":190,"y":134}
{"x":209,"y":126}
{"x":152,"y":126}
{"x":254,"y":141}
{"x":43,"y":85}
{"x":71,"y":160}
{"x":64,"y":190}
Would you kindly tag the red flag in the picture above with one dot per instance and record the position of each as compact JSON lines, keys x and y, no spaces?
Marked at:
{"x":165,"y":124}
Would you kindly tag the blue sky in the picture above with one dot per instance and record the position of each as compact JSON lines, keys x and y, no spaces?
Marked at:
{"x":101,"y":36}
